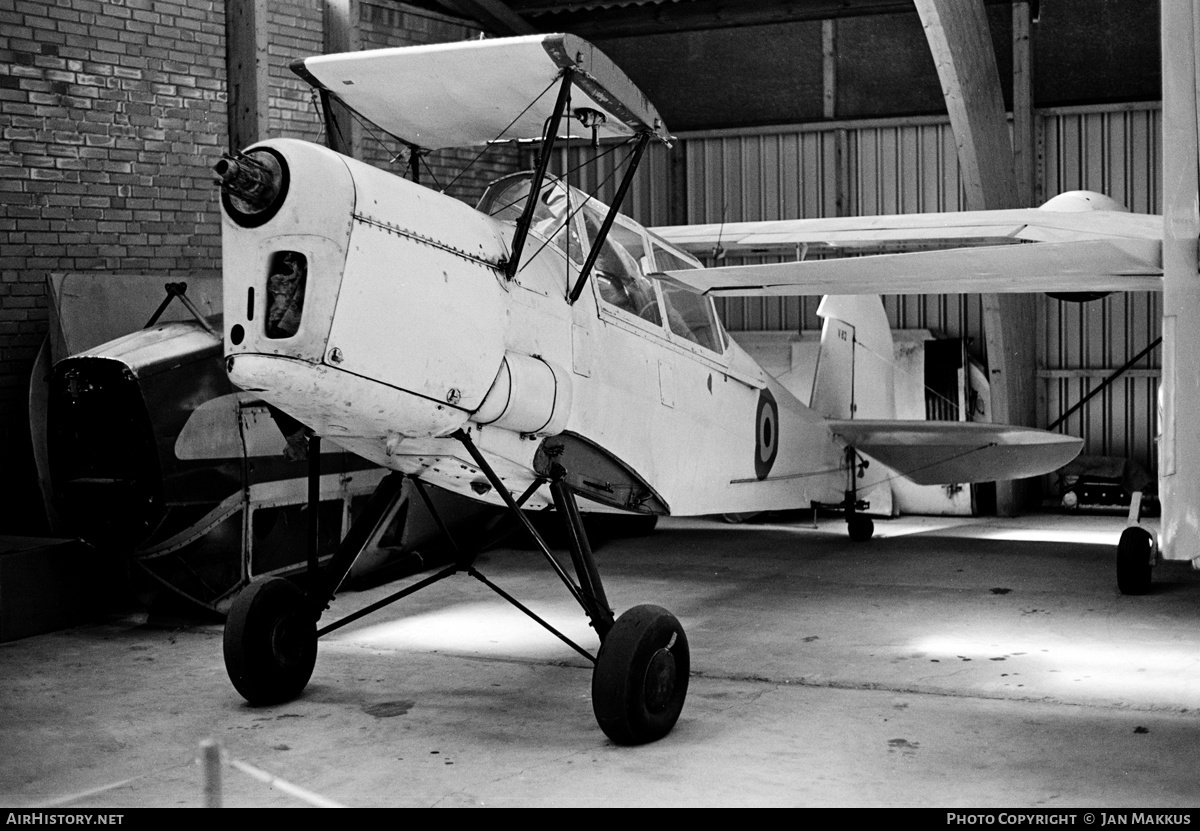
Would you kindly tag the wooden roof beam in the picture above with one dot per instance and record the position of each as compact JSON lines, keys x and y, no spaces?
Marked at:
{"x":496,"y":16}
{"x":246,"y":63}
{"x":958,"y":35}
{"x":631,"y":20}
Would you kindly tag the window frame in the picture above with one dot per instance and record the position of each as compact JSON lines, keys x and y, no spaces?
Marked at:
{"x":722,"y":337}
{"x":610,"y":310}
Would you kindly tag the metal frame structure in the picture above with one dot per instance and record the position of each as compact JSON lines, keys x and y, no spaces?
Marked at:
{"x":588,"y":591}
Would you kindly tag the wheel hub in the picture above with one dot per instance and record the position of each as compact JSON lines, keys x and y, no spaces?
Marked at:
{"x":660,"y":680}
{"x":287,"y":641}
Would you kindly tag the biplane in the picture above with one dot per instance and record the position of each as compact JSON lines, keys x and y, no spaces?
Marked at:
{"x":543,"y":351}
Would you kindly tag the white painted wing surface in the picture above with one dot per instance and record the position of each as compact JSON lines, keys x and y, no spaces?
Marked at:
{"x":1084,"y":265}
{"x":946,"y":452}
{"x":469,"y":93}
{"x":1066,"y":245}
{"x":913,"y":232}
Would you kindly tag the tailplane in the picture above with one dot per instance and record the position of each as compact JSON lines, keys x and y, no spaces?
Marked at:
{"x":952,"y":452}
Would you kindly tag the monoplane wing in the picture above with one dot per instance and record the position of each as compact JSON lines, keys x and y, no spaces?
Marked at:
{"x":944,"y":452}
{"x":474,"y":92}
{"x":1027,"y":250}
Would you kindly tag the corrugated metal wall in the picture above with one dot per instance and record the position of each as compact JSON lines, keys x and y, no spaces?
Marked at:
{"x":1117,"y":151}
{"x":863,"y":168}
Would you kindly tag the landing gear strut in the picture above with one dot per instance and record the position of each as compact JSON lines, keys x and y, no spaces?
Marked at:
{"x":859,"y":527}
{"x":640,"y":678}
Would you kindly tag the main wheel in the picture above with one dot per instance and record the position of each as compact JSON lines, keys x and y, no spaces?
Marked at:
{"x":270,"y":641}
{"x":641,"y":676}
{"x":860,"y":528}
{"x":1135,"y":551}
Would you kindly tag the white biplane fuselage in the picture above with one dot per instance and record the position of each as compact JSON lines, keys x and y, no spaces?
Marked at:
{"x":408,"y":330}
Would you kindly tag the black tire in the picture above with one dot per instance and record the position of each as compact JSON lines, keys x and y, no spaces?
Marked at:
{"x":641,"y":676}
{"x":860,"y":528}
{"x":1134,"y":552}
{"x":270,"y":641}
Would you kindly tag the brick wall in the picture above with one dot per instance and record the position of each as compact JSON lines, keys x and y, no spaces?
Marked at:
{"x":112,"y":113}
{"x":296,"y":32}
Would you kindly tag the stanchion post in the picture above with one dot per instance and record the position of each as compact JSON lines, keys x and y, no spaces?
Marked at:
{"x":210,"y":759}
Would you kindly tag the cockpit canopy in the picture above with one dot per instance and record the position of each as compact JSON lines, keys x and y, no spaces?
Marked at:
{"x":627,"y":273}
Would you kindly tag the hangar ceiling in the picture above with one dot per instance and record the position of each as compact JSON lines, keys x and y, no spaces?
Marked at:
{"x":712,"y":64}
{"x":626,"y":18}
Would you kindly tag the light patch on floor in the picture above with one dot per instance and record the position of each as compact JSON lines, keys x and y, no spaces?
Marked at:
{"x":489,"y":628}
{"x":1072,"y":535}
{"x":1153,"y":671}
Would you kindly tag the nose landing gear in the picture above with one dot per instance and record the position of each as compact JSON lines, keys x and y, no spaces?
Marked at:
{"x":640,"y":678}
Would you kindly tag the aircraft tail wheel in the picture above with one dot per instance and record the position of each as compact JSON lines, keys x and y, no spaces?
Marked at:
{"x":641,"y":676}
{"x":1135,"y":558}
{"x":270,"y":641}
{"x":860,"y":528}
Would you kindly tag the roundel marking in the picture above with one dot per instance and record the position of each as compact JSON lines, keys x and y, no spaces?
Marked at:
{"x":766,"y":435}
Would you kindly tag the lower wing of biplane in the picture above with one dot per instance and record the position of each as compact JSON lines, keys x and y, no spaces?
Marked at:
{"x":1077,"y":242}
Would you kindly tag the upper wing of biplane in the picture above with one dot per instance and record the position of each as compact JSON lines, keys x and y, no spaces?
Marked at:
{"x":1025,"y":250}
{"x":471,"y":93}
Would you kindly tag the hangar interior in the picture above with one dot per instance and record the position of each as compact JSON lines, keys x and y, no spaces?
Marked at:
{"x":115,"y":113}
{"x":827,"y":109}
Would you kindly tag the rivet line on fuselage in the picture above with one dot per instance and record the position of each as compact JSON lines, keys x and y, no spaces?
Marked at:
{"x":413,"y":235}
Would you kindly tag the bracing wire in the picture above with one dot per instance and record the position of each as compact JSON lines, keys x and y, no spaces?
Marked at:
{"x":809,"y":474}
{"x":507,"y":127}
{"x":571,"y":214}
{"x":566,"y":175}
{"x":908,"y":473}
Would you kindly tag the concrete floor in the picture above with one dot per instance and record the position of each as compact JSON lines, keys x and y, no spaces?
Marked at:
{"x":947,"y":663}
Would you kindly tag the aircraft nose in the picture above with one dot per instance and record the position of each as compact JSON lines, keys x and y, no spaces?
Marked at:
{"x":367,"y":305}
